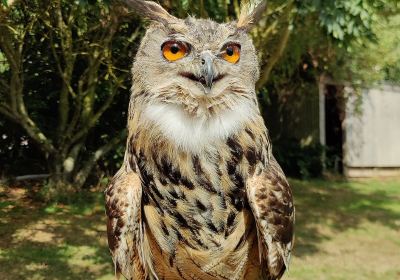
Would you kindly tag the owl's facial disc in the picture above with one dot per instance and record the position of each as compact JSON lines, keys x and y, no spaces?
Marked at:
{"x":203,"y":67}
{"x":173,"y":50}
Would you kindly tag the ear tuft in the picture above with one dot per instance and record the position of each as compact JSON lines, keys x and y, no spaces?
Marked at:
{"x":250,"y":13}
{"x":152,"y":11}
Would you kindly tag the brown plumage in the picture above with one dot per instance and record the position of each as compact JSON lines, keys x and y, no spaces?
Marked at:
{"x":199,"y":195}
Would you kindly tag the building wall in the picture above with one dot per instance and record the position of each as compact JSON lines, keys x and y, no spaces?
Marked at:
{"x":372,"y":129}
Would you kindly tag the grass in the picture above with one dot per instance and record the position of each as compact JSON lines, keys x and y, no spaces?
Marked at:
{"x":52,"y":241}
{"x":344,"y":230}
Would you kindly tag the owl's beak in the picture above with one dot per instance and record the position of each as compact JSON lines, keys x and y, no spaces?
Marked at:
{"x":208,"y":76}
{"x":207,"y":69}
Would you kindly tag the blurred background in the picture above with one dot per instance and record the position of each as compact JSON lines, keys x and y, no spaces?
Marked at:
{"x":329,"y":92}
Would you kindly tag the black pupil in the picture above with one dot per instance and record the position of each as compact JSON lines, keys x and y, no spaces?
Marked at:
{"x":174,"y":48}
{"x":229,"y":51}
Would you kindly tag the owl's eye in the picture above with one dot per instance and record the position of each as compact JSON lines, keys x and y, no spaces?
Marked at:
{"x":174,"y":50}
{"x":231,"y":52}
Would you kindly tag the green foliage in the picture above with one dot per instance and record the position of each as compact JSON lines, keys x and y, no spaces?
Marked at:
{"x":4,"y":67}
{"x":343,"y":19}
{"x":378,"y":61}
{"x":352,"y":41}
{"x":299,"y":161}
{"x":75,"y":58}
{"x":219,"y":10}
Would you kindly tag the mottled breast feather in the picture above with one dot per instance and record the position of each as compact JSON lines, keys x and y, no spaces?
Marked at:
{"x":196,"y":214}
{"x":224,"y":214}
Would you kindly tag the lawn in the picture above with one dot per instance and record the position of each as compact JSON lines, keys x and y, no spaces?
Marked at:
{"x":344,"y":230}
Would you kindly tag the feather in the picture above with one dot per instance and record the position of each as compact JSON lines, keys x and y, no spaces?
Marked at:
{"x":151,"y":10}
{"x":270,"y":199}
{"x":250,"y":13}
{"x":125,"y":235}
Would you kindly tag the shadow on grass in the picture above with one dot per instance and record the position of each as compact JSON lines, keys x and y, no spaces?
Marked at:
{"x":36,"y":260}
{"x":69,"y":241}
{"x":338,"y":206}
{"x":53,"y":242}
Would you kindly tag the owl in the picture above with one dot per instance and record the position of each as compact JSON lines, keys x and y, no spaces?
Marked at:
{"x":199,"y":194}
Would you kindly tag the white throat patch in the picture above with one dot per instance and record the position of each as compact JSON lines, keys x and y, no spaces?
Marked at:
{"x":193,"y":133}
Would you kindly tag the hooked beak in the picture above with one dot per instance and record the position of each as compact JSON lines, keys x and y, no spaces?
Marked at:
{"x":207,"y":70}
{"x":207,"y":75}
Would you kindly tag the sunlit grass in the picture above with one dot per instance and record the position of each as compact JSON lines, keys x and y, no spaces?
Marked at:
{"x":56,"y":241}
{"x":344,"y":230}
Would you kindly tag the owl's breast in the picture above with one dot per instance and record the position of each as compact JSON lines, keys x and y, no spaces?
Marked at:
{"x":195,"y":205}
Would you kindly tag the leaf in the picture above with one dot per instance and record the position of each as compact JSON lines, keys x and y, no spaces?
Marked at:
{"x":185,"y":4}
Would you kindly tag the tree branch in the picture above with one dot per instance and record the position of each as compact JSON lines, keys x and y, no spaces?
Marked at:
{"x":36,"y":134}
{"x":266,"y":70}
{"x":101,"y":48}
{"x":279,"y":50}
{"x":82,"y":175}
{"x":93,"y":120}
{"x":4,"y":110}
{"x":5,"y":86}
{"x":65,"y":35}
{"x":101,"y":51}
{"x":30,"y":127}
{"x":12,"y":45}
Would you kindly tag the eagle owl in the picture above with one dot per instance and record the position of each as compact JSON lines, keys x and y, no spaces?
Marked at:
{"x":199,"y":194}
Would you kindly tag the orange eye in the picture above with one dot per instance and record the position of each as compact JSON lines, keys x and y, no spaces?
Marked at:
{"x":231,"y":53}
{"x":174,"y":50}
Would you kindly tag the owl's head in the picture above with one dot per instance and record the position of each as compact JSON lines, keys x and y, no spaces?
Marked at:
{"x":197,"y":64}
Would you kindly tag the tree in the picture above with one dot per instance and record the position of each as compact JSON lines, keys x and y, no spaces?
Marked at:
{"x":85,"y":50}
{"x":339,"y":39}
{"x":72,"y":60}
{"x":65,"y":75}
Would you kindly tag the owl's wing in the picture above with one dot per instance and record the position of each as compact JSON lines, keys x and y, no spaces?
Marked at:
{"x":270,"y":199}
{"x":124,"y":225}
